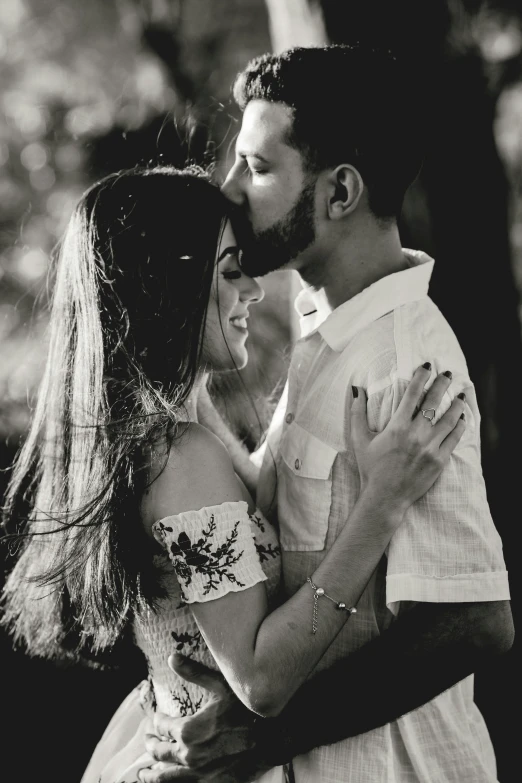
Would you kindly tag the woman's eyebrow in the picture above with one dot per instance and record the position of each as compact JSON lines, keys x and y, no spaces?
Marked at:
{"x":228,"y":251}
{"x":253,"y":155}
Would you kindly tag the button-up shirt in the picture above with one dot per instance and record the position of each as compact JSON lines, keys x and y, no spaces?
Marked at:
{"x":446,"y":550}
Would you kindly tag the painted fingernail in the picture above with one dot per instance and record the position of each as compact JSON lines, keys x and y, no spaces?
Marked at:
{"x":448,"y":374}
{"x":355,"y":391}
{"x":461,"y":396}
{"x":427,"y":366}
{"x":463,"y":417}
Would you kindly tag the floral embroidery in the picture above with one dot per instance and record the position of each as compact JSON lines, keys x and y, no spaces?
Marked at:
{"x":185,"y":703}
{"x":192,"y":640}
{"x":200,"y":558}
{"x":267,"y":551}
{"x":256,"y":519}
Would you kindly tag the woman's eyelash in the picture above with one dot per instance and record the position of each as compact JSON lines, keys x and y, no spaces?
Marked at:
{"x":234,"y":274}
{"x":251,"y":170}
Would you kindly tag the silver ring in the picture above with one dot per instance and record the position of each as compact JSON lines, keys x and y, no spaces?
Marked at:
{"x":429,"y":413}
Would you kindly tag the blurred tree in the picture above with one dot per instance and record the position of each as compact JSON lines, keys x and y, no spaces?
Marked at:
{"x":296,"y":23}
{"x":87,"y":88}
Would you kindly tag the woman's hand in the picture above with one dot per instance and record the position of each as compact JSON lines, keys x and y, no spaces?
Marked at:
{"x":402,"y":462}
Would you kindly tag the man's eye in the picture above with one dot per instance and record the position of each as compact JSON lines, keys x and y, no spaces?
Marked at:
{"x":234,"y":274}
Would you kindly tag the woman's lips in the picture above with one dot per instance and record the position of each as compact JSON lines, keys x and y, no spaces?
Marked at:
{"x":239,"y":322}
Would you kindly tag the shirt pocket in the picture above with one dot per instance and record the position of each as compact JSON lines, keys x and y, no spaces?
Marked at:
{"x":304,"y":493}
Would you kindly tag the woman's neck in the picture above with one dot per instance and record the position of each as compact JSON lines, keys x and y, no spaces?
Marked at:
{"x":191,"y":405}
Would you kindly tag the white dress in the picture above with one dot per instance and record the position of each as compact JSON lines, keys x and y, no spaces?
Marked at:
{"x":213,"y":551}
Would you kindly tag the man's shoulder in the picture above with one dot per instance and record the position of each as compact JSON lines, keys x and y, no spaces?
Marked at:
{"x":370,"y":358}
{"x":394,"y":345}
{"x":422,"y":334}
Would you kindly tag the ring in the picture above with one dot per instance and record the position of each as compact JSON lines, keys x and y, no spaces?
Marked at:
{"x":429,"y":413}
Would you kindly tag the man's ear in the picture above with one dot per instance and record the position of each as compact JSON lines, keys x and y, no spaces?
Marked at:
{"x":345,"y":188}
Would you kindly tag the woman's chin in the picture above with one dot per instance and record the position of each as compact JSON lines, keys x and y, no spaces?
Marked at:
{"x":240,"y":360}
{"x":237,"y":360}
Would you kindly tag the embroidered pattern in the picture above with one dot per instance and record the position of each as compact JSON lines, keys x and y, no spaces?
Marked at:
{"x":185,"y":703}
{"x":258,"y":522}
{"x":192,"y":640}
{"x":267,"y":552}
{"x":199,"y":558}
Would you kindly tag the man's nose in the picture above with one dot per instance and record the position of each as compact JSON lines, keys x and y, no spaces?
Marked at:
{"x":231,"y":188}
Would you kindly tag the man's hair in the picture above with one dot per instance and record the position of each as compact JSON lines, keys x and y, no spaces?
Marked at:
{"x":350,"y":104}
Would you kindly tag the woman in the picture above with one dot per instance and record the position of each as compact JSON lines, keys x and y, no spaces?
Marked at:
{"x":116,"y":477}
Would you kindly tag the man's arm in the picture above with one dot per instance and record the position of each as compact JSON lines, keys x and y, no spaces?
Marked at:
{"x":427,"y":650}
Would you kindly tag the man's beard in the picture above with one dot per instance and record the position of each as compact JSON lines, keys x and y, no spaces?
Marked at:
{"x":272,"y":248}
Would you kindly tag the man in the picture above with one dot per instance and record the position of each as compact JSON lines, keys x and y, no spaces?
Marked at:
{"x":329,"y":143}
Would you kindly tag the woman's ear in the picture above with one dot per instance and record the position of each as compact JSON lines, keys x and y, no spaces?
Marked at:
{"x":345,"y":188}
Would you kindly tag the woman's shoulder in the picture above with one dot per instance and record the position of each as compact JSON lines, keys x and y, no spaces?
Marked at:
{"x":193,"y":473}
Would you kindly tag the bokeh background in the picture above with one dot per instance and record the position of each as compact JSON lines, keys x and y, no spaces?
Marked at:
{"x":91,"y":86}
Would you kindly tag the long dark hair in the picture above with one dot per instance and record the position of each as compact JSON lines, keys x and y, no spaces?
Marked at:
{"x":133,"y":279}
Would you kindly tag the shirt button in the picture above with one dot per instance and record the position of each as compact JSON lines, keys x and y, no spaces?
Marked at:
{"x":289,"y":418}
{"x":297,"y":464}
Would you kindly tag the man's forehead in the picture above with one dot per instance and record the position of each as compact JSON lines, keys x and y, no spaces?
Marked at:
{"x":265,"y":125}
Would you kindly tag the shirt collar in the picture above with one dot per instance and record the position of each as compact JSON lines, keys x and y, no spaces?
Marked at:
{"x":337,"y":327}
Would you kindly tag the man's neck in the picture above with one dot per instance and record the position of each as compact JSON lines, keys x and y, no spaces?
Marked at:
{"x":356,"y":264}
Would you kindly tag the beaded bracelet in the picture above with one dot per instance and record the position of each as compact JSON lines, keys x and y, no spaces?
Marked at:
{"x":319,"y":593}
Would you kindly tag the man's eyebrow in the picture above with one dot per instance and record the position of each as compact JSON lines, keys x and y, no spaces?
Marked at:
{"x":228,"y":250}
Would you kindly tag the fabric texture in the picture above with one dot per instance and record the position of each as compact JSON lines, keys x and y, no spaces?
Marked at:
{"x":208,"y":553}
{"x":447,"y":549}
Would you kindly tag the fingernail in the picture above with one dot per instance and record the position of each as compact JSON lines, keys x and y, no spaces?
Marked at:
{"x":463,"y":417}
{"x":448,"y":374}
{"x":427,"y":366}
{"x":176,"y":660}
{"x":461,"y":396}
{"x":355,"y":391}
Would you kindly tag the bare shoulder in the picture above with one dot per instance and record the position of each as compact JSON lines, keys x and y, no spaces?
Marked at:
{"x":195,"y":472}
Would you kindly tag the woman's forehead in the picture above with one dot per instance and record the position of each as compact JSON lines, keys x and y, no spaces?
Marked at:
{"x":228,"y":237}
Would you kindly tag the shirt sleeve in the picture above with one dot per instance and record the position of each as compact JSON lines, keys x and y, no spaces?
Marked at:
{"x":447,"y":548}
{"x":212,"y":550}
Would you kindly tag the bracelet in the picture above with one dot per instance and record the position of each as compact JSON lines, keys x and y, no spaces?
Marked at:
{"x":319,"y":593}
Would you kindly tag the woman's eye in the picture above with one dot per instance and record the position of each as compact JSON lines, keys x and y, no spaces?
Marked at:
{"x":234,"y":274}
{"x":253,"y":170}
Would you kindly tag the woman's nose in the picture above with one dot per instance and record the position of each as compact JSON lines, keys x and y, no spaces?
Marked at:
{"x":231,"y":187}
{"x":252,"y":291}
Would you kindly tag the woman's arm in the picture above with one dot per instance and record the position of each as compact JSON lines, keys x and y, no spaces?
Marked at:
{"x":265,"y":658}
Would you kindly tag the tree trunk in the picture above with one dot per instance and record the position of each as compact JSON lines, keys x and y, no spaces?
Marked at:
{"x":295,"y":23}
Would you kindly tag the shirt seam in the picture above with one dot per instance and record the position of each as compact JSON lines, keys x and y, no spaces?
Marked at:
{"x":453,"y":577}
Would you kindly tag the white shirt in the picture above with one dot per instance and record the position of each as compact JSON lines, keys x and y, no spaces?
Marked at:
{"x":447,"y":549}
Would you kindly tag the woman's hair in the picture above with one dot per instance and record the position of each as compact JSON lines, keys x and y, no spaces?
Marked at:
{"x":133,"y":280}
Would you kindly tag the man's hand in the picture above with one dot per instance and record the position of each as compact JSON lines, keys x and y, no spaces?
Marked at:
{"x":212,"y":746}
